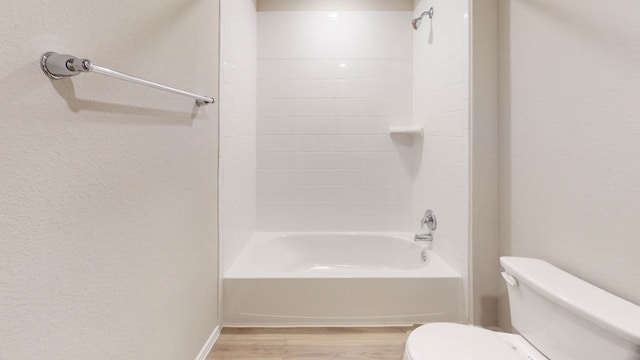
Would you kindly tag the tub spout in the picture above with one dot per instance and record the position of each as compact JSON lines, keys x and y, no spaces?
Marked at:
{"x":423,"y":237}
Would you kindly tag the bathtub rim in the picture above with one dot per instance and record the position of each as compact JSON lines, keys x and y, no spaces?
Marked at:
{"x":436,"y":267}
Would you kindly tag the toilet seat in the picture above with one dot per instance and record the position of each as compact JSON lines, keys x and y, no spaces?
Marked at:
{"x":448,"y":341}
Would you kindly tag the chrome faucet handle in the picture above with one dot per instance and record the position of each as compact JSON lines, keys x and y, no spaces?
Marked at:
{"x":429,"y":219}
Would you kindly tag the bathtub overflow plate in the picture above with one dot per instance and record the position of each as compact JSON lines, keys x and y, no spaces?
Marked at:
{"x":423,"y":256}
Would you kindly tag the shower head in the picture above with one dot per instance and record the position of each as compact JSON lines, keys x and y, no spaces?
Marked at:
{"x":416,"y":22}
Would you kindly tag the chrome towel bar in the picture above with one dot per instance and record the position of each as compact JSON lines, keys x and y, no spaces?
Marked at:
{"x":57,"y":66}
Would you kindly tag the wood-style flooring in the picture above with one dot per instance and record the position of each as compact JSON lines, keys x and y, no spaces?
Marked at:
{"x":372,"y":343}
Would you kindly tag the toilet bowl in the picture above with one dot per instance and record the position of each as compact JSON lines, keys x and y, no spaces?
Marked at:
{"x":557,"y":315}
{"x":448,"y":341}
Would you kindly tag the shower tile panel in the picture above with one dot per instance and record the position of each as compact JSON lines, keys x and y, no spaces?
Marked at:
{"x":329,"y":86}
{"x":238,"y":92}
{"x":441,"y":106}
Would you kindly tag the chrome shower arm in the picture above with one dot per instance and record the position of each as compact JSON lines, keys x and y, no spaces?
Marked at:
{"x":416,"y":22}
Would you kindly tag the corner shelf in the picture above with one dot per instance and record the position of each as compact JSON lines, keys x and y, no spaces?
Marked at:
{"x":406,"y":130}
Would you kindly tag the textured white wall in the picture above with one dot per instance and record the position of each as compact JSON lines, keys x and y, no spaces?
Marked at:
{"x":108,"y":245}
{"x":441,"y":105}
{"x":569,"y":130}
{"x":484,"y":261}
{"x":238,"y":86}
{"x":330,"y":85}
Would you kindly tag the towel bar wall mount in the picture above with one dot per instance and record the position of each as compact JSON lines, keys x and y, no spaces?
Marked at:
{"x":57,"y":66}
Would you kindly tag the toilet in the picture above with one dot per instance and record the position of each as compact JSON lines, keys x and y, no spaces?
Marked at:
{"x":557,"y":316}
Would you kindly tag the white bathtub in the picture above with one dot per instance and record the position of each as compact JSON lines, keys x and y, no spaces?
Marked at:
{"x":339,"y":279}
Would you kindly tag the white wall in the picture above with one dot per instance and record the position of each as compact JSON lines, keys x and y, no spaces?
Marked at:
{"x":330,"y":84}
{"x":238,"y":85}
{"x":569,"y":130}
{"x":484,"y":263}
{"x":108,"y":232}
{"x":441,"y":105}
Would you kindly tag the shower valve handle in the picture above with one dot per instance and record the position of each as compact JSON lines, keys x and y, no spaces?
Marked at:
{"x":429,"y":219}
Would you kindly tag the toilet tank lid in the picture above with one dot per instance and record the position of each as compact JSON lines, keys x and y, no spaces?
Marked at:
{"x":578,"y":296}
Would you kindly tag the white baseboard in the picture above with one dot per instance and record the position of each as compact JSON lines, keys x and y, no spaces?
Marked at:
{"x":206,"y":349}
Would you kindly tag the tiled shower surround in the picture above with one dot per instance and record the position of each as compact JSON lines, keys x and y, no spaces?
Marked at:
{"x":237,"y":127}
{"x":441,"y":106}
{"x":329,"y":86}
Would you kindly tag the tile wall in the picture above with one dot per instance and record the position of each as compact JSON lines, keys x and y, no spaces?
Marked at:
{"x":329,"y":86}
{"x":237,"y":126}
{"x":441,"y":105}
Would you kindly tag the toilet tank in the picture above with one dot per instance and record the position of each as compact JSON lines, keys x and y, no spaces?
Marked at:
{"x":566,"y":318}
